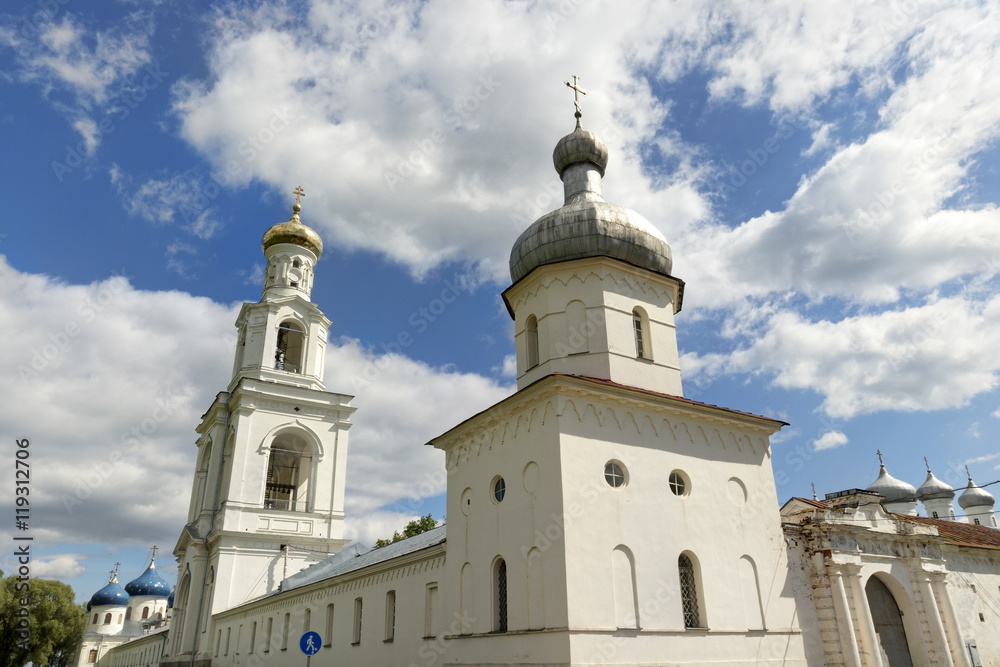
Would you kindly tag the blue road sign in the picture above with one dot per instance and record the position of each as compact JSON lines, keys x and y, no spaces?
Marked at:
{"x":310,"y":643}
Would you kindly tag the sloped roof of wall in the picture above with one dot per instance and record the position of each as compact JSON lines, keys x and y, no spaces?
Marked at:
{"x":960,"y":534}
{"x":337,"y":565}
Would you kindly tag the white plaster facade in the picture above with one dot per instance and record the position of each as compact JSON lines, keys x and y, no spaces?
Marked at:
{"x":939,"y":586}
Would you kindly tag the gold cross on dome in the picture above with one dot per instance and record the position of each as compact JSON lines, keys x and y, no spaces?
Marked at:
{"x":927,"y":463}
{"x":154,"y":550}
{"x":879,"y":452}
{"x":299,"y":193}
{"x":814,"y":491}
{"x":577,"y":91}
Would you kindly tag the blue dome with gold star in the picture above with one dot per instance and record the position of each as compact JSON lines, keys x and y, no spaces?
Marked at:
{"x":111,"y":595}
{"x":148,"y":583}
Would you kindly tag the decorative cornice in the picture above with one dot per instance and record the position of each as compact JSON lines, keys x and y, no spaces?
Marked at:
{"x":633,"y":410}
{"x":633,"y":279}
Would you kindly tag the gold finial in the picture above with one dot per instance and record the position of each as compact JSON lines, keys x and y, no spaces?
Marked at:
{"x":927,"y":463}
{"x":577,"y":91}
{"x":114,"y":574}
{"x":880,"y":462}
{"x":813,"y":485}
{"x":968,"y":473}
{"x":153,"y":557}
{"x":297,"y":206}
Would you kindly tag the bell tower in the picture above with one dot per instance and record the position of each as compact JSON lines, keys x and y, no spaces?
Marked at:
{"x":268,"y":493}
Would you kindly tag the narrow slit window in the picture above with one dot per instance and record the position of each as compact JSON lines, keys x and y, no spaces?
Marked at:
{"x":358,"y":608}
{"x":390,"y":615}
{"x":500,"y":596}
{"x":640,"y":328}
{"x":531,"y":342}
{"x":689,"y":592}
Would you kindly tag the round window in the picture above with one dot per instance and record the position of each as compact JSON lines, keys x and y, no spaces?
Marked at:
{"x":678,"y":484}
{"x":614,"y":474}
{"x":499,"y":489}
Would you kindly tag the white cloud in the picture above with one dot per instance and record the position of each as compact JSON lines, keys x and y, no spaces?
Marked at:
{"x":830,"y":440}
{"x":181,"y":198}
{"x":88,"y":130}
{"x":62,"y":566}
{"x":178,"y":256}
{"x":108,"y":383}
{"x":925,"y":357}
{"x":80,"y":70}
{"x":508,"y":368}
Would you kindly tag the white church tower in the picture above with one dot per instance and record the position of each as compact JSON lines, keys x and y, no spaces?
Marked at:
{"x":268,"y":494}
{"x":596,"y":503}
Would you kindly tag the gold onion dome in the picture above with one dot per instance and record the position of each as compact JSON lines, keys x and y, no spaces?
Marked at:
{"x":293,"y":232}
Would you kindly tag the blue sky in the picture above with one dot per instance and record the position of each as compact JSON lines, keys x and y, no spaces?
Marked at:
{"x":826,"y":177}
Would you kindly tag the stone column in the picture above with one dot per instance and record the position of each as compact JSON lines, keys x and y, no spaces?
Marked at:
{"x":940,"y":586}
{"x":866,"y":626}
{"x":934,"y":622}
{"x":842,"y":612}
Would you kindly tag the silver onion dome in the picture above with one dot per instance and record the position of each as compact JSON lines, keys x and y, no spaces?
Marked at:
{"x":586,"y":225}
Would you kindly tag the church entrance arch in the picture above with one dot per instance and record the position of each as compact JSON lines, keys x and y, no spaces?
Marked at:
{"x":888,"y":624}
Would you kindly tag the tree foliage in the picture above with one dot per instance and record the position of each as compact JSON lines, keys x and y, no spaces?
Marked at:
{"x":415,"y":527}
{"x":54,"y":620}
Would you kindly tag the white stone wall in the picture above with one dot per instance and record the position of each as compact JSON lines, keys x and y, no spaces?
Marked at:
{"x":236,"y":640}
{"x":974,"y":584}
{"x":600,"y":343}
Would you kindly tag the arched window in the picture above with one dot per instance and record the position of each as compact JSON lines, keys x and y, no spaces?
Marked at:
{"x":625,"y":592}
{"x":128,"y":614}
{"x":329,"y":625}
{"x":390,"y":616}
{"x":145,"y":613}
{"x":689,"y":592}
{"x":531,"y":342}
{"x":107,"y":619}
{"x":358,"y":608}
{"x":288,"y":353}
{"x":577,"y":328}
{"x":119,"y":618}
{"x":253,"y":636}
{"x":640,"y":326}
{"x":95,"y":619}
{"x":499,"y":595}
{"x":288,"y":472}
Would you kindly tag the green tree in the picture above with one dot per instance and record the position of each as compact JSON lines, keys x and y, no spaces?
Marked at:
{"x":54,"y":620}
{"x":415,"y":527}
